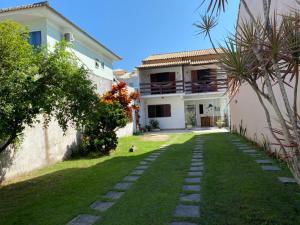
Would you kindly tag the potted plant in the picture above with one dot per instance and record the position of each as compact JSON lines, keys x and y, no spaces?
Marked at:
{"x":154,"y":125}
{"x":220,"y":123}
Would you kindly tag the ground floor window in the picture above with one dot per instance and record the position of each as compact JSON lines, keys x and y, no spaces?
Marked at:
{"x":155,"y":111}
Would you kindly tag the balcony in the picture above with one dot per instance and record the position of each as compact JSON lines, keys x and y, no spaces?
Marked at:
{"x":205,"y":86}
{"x":172,"y":87}
{"x":165,"y":87}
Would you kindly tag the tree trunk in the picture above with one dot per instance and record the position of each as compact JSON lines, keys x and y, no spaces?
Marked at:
{"x":7,"y":142}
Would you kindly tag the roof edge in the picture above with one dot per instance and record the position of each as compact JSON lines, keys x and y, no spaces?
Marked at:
{"x":47,"y":5}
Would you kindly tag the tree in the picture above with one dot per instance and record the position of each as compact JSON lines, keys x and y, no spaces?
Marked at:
{"x":265,"y":54}
{"x":112,"y":111}
{"x":37,"y":81}
{"x":119,"y":93}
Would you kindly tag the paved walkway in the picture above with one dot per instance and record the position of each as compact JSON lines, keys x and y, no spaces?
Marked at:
{"x":189,"y":201}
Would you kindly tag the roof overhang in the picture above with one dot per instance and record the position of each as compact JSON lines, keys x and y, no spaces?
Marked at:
{"x":46,"y":11}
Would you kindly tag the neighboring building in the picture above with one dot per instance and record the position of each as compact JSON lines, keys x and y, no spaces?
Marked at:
{"x":183,"y":88}
{"x":131,"y":78}
{"x":42,"y":146}
{"x":245,"y":108}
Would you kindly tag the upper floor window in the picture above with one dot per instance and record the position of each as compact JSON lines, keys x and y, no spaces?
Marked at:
{"x":35,"y":38}
{"x":99,"y":64}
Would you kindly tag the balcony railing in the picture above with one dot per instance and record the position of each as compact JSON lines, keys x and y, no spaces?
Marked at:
{"x":171,"y":87}
{"x":156,"y":88}
{"x":205,"y":86}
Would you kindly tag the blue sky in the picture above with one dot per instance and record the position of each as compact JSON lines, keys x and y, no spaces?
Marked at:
{"x":135,"y":29}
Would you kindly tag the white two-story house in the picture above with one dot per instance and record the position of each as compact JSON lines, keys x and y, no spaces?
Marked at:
{"x":183,"y":88}
{"x":42,"y":146}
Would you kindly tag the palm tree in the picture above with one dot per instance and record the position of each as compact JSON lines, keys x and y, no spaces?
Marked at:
{"x":264,"y":53}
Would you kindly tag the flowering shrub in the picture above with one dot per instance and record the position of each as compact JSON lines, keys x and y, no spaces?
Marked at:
{"x":112,"y":111}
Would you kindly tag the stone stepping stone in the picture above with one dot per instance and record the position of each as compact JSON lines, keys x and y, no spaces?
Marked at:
{"x":150,"y":159}
{"x":137,"y":172}
{"x":192,"y":180}
{"x":182,"y":223}
{"x":101,"y":206}
{"x":243,"y":147}
{"x":194,"y":174}
{"x":197,"y":157}
{"x":156,"y":154}
{"x":197,"y":160}
{"x":123,"y":186}
{"x":84,"y":219}
{"x":144,"y":167}
{"x":287,"y":180}
{"x":187,"y":211}
{"x":249,"y":151}
{"x":190,"y":197}
{"x":131,"y":178}
{"x":263,"y":161}
{"x":194,"y":188}
{"x":197,"y":164}
{"x":254,"y":155}
{"x":196,"y":168}
{"x":144,"y":163}
{"x":113,"y":195}
{"x":270,"y":168}
{"x":197,"y":154}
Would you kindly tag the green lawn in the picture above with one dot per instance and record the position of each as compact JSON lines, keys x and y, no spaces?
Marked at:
{"x":235,"y":191}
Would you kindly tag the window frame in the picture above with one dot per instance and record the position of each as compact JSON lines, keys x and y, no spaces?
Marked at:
{"x":159,"y":111}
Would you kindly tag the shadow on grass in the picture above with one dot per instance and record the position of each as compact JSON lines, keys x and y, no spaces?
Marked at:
{"x":56,"y":197}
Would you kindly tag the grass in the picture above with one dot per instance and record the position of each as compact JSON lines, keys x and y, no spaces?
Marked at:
{"x":235,"y":191}
{"x":56,"y":194}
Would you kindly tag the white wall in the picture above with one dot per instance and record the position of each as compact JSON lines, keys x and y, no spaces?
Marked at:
{"x":144,"y":74}
{"x":245,"y":105}
{"x":177,"y":119}
{"x":84,"y":53}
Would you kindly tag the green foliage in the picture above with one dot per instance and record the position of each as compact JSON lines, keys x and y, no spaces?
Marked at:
{"x":19,"y":100}
{"x":35,"y":82}
{"x":154,"y":124}
{"x":100,"y":128}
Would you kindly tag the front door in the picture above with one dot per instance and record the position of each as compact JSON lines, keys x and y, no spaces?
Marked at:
{"x":190,"y":115}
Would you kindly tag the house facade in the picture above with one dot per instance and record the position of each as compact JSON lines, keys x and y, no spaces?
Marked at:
{"x":246,"y":110}
{"x":42,"y":146}
{"x":183,"y":88}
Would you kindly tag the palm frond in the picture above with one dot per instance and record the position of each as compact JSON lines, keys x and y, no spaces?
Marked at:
{"x":206,"y":24}
{"x":216,"y":5}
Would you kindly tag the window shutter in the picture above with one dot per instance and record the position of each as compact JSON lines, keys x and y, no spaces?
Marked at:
{"x":194,"y":76}
{"x":167,"y":111}
{"x":151,"y":111}
{"x":213,"y":78}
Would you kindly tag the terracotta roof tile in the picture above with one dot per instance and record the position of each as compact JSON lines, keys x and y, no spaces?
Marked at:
{"x":183,"y":54}
{"x":163,"y":64}
{"x":34,"y":5}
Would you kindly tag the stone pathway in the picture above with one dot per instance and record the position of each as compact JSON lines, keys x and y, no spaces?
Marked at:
{"x":266,"y":164}
{"x":111,"y":197}
{"x":188,"y":207}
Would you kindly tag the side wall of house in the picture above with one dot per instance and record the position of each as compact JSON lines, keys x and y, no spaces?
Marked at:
{"x":246,"y":110}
